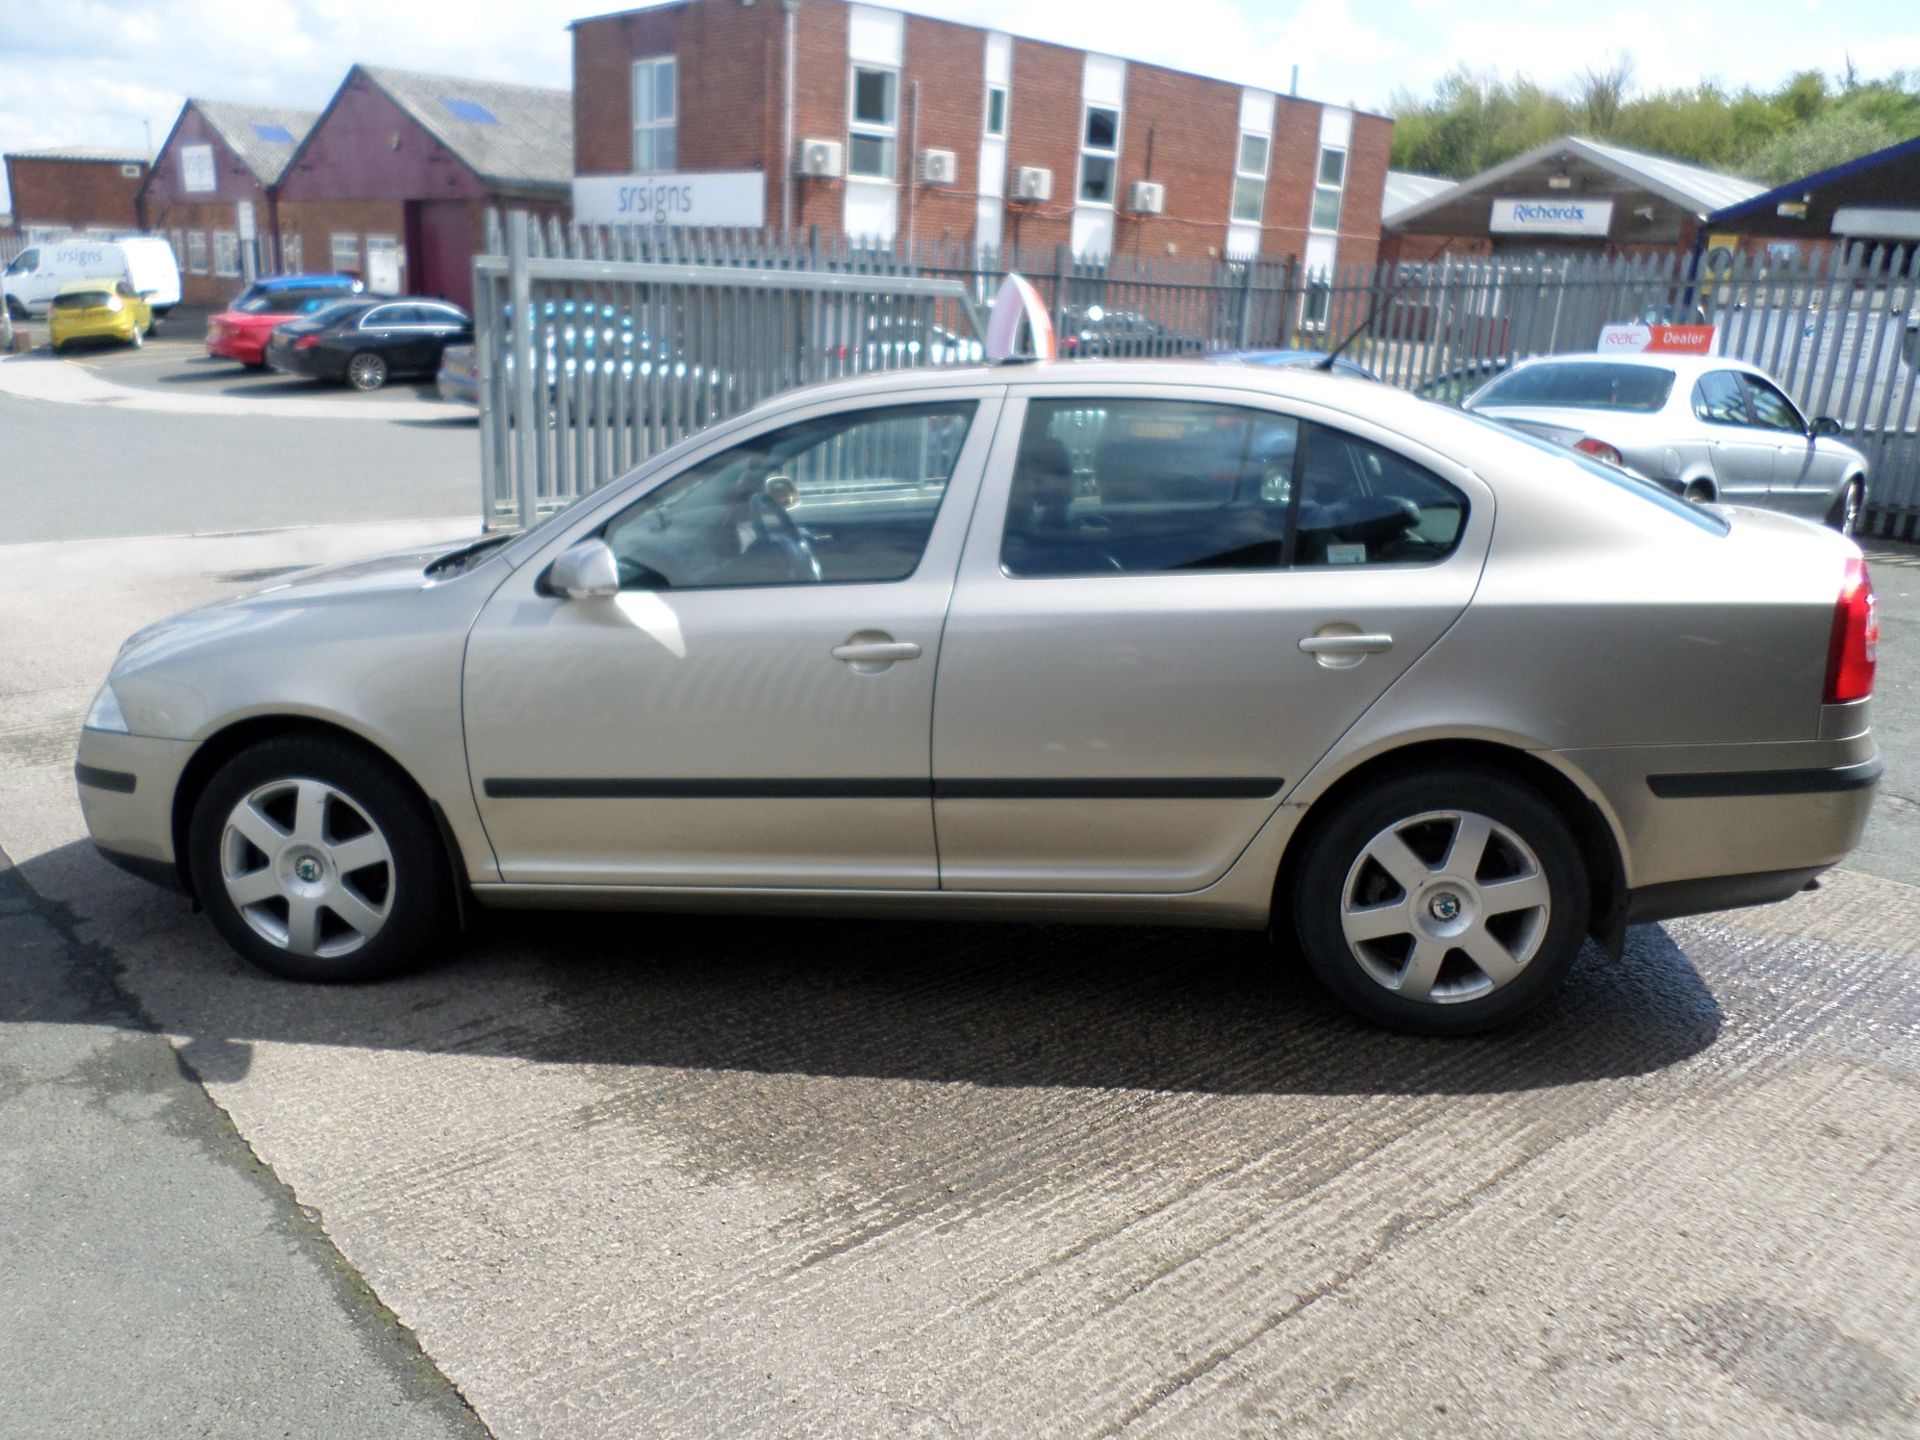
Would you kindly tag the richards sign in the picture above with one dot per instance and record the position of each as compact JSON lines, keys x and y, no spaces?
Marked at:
{"x":720,"y":198}
{"x":1553,"y":216}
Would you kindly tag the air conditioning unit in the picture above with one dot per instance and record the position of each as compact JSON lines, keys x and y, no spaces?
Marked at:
{"x":819,"y":158}
{"x":1148,"y":197}
{"x":939,"y":167}
{"x":1032,"y":182}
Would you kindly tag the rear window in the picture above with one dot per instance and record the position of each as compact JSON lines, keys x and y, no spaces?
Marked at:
{"x":83,"y":300}
{"x":1583,"y":385}
{"x":289,"y":302}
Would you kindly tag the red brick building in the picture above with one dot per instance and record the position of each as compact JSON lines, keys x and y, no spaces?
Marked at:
{"x":886,"y":126}
{"x":72,"y":189}
{"x":214,"y":194}
{"x":394,"y":179}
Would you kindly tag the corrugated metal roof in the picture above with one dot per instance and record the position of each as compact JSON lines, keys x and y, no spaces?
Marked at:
{"x":78,"y":152}
{"x":510,"y":135}
{"x":1691,"y":187}
{"x":1405,"y":188}
{"x":1699,"y":189}
{"x":254,"y":133}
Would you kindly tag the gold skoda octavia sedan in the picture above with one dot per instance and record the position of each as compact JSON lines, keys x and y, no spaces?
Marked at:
{"x":1174,"y":643}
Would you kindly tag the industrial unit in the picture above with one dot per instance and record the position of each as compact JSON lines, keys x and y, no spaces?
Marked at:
{"x":890,"y":127}
{"x":214,"y":194}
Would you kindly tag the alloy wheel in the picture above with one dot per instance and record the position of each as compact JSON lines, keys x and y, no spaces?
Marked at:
{"x":1445,"y":906}
{"x":367,"y":372}
{"x":307,"y":868}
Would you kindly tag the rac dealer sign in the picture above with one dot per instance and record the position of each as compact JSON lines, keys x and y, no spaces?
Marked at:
{"x":1559,"y":215}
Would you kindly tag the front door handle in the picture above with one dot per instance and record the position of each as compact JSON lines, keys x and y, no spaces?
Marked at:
{"x":1372,"y":644}
{"x":876,"y":650}
{"x":870,"y":652}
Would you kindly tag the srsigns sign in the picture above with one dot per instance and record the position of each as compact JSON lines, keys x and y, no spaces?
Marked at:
{"x":719,"y":198}
{"x":1556,"y":215}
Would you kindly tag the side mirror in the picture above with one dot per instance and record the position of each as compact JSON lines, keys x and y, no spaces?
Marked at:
{"x":1825,"y":428}
{"x":586,"y":571}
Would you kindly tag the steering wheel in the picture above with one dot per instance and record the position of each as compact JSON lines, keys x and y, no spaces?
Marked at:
{"x":772,"y":523}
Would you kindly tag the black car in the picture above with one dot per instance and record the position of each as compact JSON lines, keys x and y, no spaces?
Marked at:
{"x":1095,"y":331}
{"x":365,"y":342}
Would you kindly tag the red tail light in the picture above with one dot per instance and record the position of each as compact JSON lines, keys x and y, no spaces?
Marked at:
{"x":1855,"y":648}
{"x":306,"y":342}
{"x":1599,"y":449}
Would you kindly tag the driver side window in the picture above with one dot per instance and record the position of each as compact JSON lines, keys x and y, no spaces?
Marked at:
{"x":1771,"y":410}
{"x":844,"y":499}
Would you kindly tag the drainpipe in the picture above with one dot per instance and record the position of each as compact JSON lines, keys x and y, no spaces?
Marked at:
{"x":788,"y":7}
{"x":913,"y":164}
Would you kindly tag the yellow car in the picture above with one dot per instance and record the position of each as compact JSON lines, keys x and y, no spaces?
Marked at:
{"x":99,"y":310}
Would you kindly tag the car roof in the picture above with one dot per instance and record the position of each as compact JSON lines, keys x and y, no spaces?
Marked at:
{"x":301,"y":282}
{"x":1686,"y":365}
{"x":80,"y":287}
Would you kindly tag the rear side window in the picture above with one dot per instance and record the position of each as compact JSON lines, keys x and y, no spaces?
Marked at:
{"x":1110,"y":487}
{"x":1582,"y":385}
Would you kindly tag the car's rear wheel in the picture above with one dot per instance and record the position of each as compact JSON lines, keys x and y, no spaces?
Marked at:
{"x":15,"y":309}
{"x":1442,"y":903}
{"x":1846,"y":510}
{"x":366,"y":371}
{"x":316,"y":860}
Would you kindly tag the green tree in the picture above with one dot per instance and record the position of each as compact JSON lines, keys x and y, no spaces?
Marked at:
{"x":1824,"y":141}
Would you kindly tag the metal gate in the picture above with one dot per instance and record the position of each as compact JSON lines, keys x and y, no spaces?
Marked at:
{"x":589,"y":365}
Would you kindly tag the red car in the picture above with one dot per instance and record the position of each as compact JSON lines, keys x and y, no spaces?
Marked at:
{"x":240,"y":331}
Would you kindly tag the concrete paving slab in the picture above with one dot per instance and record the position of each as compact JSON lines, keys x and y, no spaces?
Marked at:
{"x":686,"y":1176}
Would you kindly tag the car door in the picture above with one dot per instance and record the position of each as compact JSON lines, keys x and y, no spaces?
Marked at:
{"x":379,"y":330}
{"x":1742,"y":454}
{"x":734,"y":716}
{"x":1799,"y":483}
{"x":1172,"y":603}
{"x":439,"y":325}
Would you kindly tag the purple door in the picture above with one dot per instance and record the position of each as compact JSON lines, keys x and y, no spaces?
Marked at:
{"x":440,"y":235}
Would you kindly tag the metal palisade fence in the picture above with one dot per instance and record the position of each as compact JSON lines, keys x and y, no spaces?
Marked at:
{"x":637,"y":338}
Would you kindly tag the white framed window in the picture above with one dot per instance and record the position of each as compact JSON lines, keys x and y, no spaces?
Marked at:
{"x":197,"y":251}
{"x":343,"y":254}
{"x":1250,"y":178}
{"x":873,"y":126}
{"x":1314,"y":305}
{"x":1099,"y":155}
{"x":996,"y":110}
{"x":179,"y":247}
{"x":656,"y":114}
{"x":1327,"y":189}
{"x":293,"y":259}
{"x":226,"y":252}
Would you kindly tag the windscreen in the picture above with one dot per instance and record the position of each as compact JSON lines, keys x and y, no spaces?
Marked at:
{"x":83,"y":300}
{"x":1582,"y":385}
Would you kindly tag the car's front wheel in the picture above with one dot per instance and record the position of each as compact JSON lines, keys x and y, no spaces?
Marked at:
{"x":1846,"y":510}
{"x":1442,"y":903}
{"x":316,"y":860}
{"x":137,"y":338}
{"x":366,"y":371}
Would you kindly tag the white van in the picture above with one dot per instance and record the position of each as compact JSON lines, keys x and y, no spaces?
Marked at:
{"x":146,"y":262}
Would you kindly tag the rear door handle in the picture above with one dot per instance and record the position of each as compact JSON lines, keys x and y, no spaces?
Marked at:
{"x":1346,"y":644}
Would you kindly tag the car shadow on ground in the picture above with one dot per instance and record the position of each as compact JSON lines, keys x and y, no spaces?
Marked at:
{"x":990,"y":1005}
{"x":232,"y":378}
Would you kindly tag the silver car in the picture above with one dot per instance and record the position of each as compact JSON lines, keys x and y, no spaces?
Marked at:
{"x":1704,"y":426}
{"x":1172,"y":642}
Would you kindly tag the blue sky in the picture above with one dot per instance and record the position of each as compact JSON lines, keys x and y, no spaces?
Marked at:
{"x":111,"y":72}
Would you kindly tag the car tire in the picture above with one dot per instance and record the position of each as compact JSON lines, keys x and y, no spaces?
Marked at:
{"x":1845,"y":516}
{"x":138,"y":338}
{"x":317,"y":860}
{"x":366,"y":371}
{"x":1395,"y":950}
{"x":16,"y":311}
